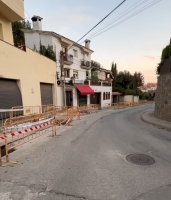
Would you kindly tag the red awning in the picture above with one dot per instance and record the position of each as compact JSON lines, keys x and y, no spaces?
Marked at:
{"x":84,"y":89}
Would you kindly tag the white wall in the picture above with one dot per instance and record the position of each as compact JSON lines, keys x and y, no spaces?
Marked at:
{"x":35,"y":38}
{"x":46,"y":40}
{"x":103,"y":89}
{"x":57,"y":45}
{"x":59,"y":96}
{"x":136,"y":99}
{"x":129,"y":98}
{"x":75,"y":97}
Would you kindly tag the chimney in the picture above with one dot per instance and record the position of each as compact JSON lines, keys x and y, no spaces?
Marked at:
{"x":87,"y":44}
{"x":37,"y":23}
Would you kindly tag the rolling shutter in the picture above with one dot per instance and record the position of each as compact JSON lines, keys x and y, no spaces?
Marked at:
{"x":10,"y":94}
{"x":46,"y":93}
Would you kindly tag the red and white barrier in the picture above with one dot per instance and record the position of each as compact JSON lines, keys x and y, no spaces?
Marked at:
{"x":35,"y":128}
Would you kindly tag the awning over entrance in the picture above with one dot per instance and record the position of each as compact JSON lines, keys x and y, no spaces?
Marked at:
{"x":84,"y":89}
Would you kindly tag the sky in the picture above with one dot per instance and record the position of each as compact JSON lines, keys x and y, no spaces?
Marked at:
{"x":134,"y":45}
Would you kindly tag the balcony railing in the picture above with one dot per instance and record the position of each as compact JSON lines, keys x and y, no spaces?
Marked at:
{"x":106,"y":84}
{"x":68,"y":59}
{"x":86,"y":82}
{"x":99,"y":83}
{"x":95,"y":83}
{"x":85,"y":64}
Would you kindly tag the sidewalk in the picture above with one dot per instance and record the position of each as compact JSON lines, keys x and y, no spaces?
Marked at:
{"x":149,"y":118}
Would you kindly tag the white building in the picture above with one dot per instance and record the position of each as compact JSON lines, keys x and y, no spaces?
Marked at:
{"x":77,"y":67}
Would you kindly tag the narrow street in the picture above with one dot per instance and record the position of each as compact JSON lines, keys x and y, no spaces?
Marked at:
{"x":88,"y":161}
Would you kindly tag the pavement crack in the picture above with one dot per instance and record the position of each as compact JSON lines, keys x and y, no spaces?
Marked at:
{"x":69,"y":195}
{"x":154,"y":154}
{"x":141,"y":195}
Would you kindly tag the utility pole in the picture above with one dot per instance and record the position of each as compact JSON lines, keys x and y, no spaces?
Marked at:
{"x":63,"y":77}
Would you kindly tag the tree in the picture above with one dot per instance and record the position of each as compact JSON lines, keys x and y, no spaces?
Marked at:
{"x":94,"y":76}
{"x":95,"y":64}
{"x":138,"y":80}
{"x":18,"y":35}
{"x":48,"y":52}
{"x":114,"y":73}
{"x":124,"y":79}
{"x":128,"y":84}
{"x":166,"y":53}
{"x":170,"y":48}
{"x":114,"y":69}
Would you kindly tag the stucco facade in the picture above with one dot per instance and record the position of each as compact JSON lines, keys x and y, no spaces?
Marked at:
{"x":33,"y":39}
{"x":27,"y":67}
{"x":74,"y":68}
{"x":12,"y":10}
{"x":101,"y":90}
{"x":5,"y":30}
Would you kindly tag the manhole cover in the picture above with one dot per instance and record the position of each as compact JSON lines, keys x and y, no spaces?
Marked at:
{"x":140,"y":159}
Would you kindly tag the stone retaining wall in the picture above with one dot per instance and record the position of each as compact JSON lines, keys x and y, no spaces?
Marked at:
{"x":163,"y":98}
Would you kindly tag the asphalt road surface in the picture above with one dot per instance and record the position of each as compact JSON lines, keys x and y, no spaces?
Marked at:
{"x":88,"y":161}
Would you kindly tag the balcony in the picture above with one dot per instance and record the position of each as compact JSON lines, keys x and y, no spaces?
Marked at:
{"x":98,"y":83}
{"x":108,"y":84}
{"x":85,"y":64}
{"x":95,"y":83}
{"x":68,"y":59}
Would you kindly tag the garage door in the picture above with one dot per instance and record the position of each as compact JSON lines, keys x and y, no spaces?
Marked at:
{"x":46,"y":93}
{"x":10,"y":94}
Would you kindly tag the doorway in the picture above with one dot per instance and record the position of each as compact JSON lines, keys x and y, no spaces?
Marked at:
{"x":82,"y":100}
{"x":69,"y":99}
{"x":96,"y":99}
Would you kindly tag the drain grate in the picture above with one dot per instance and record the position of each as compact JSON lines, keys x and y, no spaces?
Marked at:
{"x":140,"y":159}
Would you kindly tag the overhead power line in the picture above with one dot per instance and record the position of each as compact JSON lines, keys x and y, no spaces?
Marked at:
{"x":130,"y":16}
{"x":99,"y":22}
{"x":127,"y":11}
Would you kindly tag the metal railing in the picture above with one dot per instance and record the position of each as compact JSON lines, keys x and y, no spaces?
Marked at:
{"x":95,"y":83}
{"x":85,"y":64}
{"x":109,"y":84}
{"x":68,"y":59}
{"x":22,"y":124}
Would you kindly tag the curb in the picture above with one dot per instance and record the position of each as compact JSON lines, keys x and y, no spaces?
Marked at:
{"x":160,"y":126}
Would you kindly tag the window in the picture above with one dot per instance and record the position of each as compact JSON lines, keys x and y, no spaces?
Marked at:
{"x":104,"y":96}
{"x":75,"y":74}
{"x":75,"y":53}
{"x":67,"y":73}
{"x":87,"y":74}
{"x":108,"y":95}
{"x":1,"y":32}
